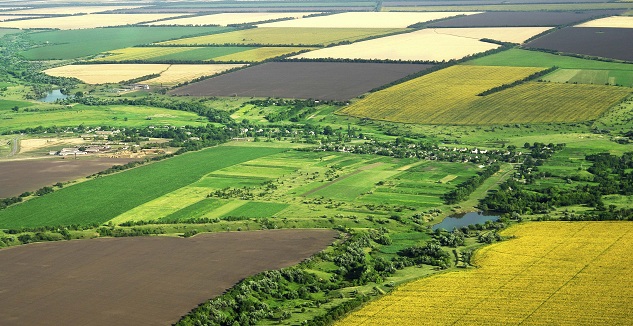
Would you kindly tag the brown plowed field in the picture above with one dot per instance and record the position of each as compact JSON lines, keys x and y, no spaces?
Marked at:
{"x":523,"y":19}
{"x":138,"y":281}
{"x":17,"y":177}
{"x":614,"y":43}
{"x":316,"y":80}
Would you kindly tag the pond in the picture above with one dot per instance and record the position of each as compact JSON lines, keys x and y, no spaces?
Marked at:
{"x":452,"y":222}
{"x":53,"y":96}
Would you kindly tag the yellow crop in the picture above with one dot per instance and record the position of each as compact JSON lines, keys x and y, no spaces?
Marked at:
{"x":553,"y":273}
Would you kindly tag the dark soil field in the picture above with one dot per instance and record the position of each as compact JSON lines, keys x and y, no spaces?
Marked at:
{"x":523,"y":19}
{"x":480,"y":2}
{"x":316,"y":80}
{"x":17,"y":177}
{"x":613,"y":43}
{"x":138,"y":281}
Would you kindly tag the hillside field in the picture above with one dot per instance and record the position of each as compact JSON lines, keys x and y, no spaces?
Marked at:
{"x":556,"y":273}
{"x":106,"y":73}
{"x":219,"y":54}
{"x":177,"y":74}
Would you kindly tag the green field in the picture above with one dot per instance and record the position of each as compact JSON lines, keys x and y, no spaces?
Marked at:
{"x":571,"y":70}
{"x":9,"y":104}
{"x":255,"y":209}
{"x":118,"y":116}
{"x":7,"y":31}
{"x":115,"y":194}
{"x":289,"y":36}
{"x":158,"y":54}
{"x":68,"y":44}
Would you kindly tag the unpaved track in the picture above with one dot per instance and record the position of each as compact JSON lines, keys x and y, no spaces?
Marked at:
{"x":138,"y":281}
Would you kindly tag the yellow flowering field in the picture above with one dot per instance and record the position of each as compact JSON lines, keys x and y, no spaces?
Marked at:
{"x":552,"y":273}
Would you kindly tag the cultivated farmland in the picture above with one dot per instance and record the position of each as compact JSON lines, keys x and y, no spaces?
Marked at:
{"x":503,"y":34}
{"x":502,"y":19}
{"x":187,"y":54}
{"x":231,"y":18}
{"x":318,"y":80}
{"x":431,"y":96}
{"x":78,"y":43}
{"x":553,"y":273}
{"x":29,"y":175}
{"x":64,"y":10}
{"x":365,"y":20}
{"x":610,"y":22}
{"x":85,"y":21}
{"x":176,"y":74}
{"x":419,"y":45}
{"x":286,"y":36}
{"x":614,"y":43}
{"x":139,"y":281}
{"x":110,"y":199}
{"x":153,"y":54}
{"x":107,"y":73}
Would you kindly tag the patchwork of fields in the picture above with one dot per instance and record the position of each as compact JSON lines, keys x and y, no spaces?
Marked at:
{"x":225,"y":19}
{"x":365,"y":20}
{"x":516,"y":18}
{"x":184,"y":54}
{"x":610,"y":22}
{"x":68,"y":44}
{"x":553,"y":273}
{"x":101,"y":74}
{"x":85,"y":21}
{"x":286,"y":36}
{"x":177,"y":74}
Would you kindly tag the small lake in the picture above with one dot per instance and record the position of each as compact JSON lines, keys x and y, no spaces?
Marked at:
{"x":53,"y":96}
{"x":452,"y":222}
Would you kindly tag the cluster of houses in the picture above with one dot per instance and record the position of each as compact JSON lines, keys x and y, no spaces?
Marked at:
{"x":80,"y":150}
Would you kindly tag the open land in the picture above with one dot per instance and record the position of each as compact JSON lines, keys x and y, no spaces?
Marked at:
{"x":67,"y":10}
{"x":544,"y":275}
{"x":107,"y":73}
{"x":422,"y":45}
{"x":111,"y":115}
{"x":139,"y":281}
{"x":18,"y":176}
{"x":610,"y":22}
{"x":85,"y":21}
{"x":287,"y":36}
{"x":225,"y":19}
{"x":431,"y":99}
{"x":317,"y":80}
{"x":176,"y":74}
{"x":70,"y":44}
{"x":531,"y":7}
{"x":11,"y":17}
{"x":611,"y":43}
{"x":501,"y":19}
{"x":365,"y":20}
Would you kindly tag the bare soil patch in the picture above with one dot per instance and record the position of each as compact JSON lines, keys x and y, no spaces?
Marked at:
{"x":614,"y":43}
{"x":138,"y":281}
{"x":523,"y":19}
{"x":18,"y":176}
{"x":317,"y":80}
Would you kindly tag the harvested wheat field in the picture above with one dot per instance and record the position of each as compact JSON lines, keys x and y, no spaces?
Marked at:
{"x":225,"y":19}
{"x":420,"y":45}
{"x":553,"y":273}
{"x":503,"y":34}
{"x":72,"y":10}
{"x":141,"y":280}
{"x":610,"y":22}
{"x":107,"y":73}
{"x":366,"y":20}
{"x":177,"y":74}
{"x":85,"y":21}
